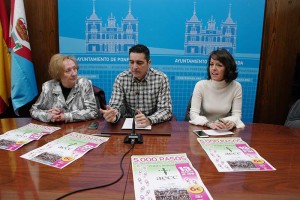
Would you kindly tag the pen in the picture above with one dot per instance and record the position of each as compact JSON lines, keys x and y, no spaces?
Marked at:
{"x":105,"y":135}
{"x":220,"y":120}
{"x":102,"y":135}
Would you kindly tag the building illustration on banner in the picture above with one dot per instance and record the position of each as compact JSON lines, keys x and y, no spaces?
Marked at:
{"x":203,"y":40}
{"x":199,"y":39}
{"x":179,"y":34}
{"x":111,"y":38}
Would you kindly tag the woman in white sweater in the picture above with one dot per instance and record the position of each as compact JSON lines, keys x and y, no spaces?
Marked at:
{"x":217,"y":102}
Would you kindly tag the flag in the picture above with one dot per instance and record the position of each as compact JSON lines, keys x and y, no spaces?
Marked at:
{"x":23,"y":83}
{"x":4,"y":58}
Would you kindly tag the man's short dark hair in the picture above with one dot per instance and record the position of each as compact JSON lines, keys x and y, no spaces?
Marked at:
{"x":140,"y":48}
{"x":227,"y":60}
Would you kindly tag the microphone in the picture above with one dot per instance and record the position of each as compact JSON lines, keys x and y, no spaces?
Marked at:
{"x":133,"y":137}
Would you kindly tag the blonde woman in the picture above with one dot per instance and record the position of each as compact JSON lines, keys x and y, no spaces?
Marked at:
{"x":67,"y":97}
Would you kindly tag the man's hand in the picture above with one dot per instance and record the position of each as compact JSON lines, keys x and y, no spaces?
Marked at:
{"x":141,"y":120}
{"x":110,"y":114}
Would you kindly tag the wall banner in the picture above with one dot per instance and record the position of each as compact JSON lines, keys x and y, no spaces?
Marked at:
{"x":179,"y":33}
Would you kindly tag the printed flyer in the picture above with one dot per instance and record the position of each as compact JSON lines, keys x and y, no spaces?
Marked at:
{"x":14,"y":139}
{"x":233,"y":154}
{"x":65,"y":150}
{"x":169,"y":176}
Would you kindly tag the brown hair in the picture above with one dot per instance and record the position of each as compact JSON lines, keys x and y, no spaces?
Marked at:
{"x":56,"y":65}
{"x":227,"y":60}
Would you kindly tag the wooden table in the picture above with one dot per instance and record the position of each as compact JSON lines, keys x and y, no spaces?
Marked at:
{"x":279,"y":145}
{"x":158,"y":129}
{"x":24,"y":179}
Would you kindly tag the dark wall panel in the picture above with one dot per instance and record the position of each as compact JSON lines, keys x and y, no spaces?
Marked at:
{"x":279,"y":50}
{"x":43,"y":32}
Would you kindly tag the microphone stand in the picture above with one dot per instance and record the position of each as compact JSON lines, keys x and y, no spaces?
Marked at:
{"x":133,"y":137}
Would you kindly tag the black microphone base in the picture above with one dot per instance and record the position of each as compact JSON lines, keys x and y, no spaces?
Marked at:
{"x":137,"y":137}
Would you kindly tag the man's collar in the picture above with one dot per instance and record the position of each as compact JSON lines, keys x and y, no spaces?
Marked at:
{"x":145,"y":79}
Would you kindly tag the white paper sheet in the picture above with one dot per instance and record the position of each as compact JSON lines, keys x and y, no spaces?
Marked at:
{"x":128,"y":125}
{"x":217,"y":132}
{"x":232,"y":154}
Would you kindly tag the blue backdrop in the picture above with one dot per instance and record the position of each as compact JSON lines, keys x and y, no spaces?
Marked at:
{"x":179,"y":33}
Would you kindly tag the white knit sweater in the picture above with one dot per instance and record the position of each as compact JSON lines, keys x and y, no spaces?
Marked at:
{"x":216,"y":99}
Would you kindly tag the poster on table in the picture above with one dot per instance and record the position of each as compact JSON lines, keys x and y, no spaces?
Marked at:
{"x":65,"y":150}
{"x":15,"y":139}
{"x":232,"y":154}
{"x":179,"y":33}
{"x":168,"y":176}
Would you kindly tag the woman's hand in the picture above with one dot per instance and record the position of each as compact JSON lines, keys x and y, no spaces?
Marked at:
{"x":221,"y":124}
{"x":56,"y":115}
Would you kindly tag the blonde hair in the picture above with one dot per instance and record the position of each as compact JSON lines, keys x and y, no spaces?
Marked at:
{"x":56,"y":65}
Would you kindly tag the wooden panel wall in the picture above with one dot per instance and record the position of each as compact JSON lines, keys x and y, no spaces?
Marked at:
{"x":42,"y":19}
{"x":280,"y":46}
